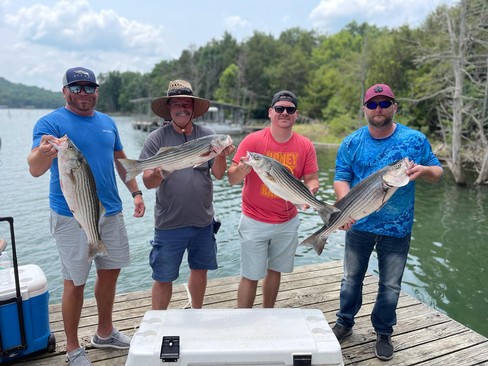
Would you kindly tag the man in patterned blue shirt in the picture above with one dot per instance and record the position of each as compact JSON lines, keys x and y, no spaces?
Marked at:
{"x":365,"y":151}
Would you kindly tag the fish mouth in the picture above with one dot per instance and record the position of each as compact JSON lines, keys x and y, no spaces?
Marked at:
{"x":399,"y":180}
{"x":246,"y":159}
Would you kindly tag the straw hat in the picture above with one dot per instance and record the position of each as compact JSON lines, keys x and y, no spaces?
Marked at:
{"x":179,"y":89}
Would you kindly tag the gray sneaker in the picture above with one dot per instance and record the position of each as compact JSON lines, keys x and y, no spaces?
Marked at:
{"x":341,"y":332}
{"x":116,"y":340}
{"x":78,"y":357}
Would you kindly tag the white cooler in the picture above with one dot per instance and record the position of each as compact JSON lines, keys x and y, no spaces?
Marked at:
{"x":243,"y":337}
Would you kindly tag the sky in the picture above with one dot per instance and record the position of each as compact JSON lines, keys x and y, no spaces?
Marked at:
{"x":41,"y":39}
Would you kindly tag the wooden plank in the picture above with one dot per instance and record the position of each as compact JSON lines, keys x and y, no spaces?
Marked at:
{"x":423,"y":336}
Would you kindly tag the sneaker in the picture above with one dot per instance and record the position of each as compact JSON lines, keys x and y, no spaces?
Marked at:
{"x":78,"y":357}
{"x":384,"y":347}
{"x":116,"y":340}
{"x":341,"y":332}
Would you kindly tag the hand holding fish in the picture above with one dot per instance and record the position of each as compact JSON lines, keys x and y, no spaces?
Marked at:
{"x":431,"y":174}
{"x":41,"y":158}
{"x":243,"y":166}
{"x":229,"y":150}
{"x":347,"y":225}
{"x":153,"y":178}
{"x":46,"y":148}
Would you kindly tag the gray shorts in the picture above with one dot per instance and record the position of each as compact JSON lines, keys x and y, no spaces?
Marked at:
{"x":267,"y":246}
{"x":73,"y":246}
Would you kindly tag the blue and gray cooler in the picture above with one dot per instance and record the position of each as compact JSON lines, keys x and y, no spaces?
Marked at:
{"x":24,"y":310}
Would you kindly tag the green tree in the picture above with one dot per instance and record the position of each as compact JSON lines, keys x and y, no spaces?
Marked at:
{"x":228,"y":90}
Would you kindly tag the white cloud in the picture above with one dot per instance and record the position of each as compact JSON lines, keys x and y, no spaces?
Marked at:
{"x":235,"y":23}
{"x":41,"y":39}
{"x":46,"y":40}
{"x":73,"y":25}
{"x":331,"y":16}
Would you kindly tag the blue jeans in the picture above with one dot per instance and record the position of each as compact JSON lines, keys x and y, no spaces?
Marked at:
{"x":392,"y":256}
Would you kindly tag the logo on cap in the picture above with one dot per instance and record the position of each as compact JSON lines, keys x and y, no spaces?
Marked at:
{"x":378,"y":89}
{"x":81,"y":74}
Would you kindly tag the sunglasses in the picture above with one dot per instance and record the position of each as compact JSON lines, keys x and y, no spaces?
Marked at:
{"x":281,"y":109}
{"x":383,"y":104}
{"x":76,"y":89}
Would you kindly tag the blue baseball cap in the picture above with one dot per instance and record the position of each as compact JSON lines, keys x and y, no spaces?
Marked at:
{"x":77,"y":74}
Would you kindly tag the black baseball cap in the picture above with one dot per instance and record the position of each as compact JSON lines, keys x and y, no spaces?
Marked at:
{"x":285,"y":95}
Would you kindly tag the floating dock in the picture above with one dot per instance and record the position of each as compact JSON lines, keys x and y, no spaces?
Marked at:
{"x":423,"y":335}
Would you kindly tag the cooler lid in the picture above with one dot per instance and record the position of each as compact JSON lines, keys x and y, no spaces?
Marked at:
{"x":32,"y":283}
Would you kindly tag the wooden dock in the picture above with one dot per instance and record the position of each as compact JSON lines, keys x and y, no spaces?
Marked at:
{"x":423,"y":335}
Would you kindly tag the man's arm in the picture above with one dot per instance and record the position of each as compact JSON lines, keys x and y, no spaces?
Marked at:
{"x":219,"y":165}
{"x":41,"y":158}
{"x":132,"y":186}
{"x":237,"y":172}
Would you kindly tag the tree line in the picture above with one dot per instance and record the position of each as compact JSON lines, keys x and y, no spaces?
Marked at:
{"x":438,"y":72}
{"x":22,"y":96}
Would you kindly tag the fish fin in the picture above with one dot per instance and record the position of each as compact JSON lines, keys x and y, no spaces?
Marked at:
{"x":326,"y":211}
{"x":316,"y":241}
{"x":270,"y":177}
{"x":97,"y":248}
{"x":208,"y":153}
{"x":131,"y":168}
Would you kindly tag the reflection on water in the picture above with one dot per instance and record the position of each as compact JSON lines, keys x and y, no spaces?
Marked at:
{"x":446,"y":269}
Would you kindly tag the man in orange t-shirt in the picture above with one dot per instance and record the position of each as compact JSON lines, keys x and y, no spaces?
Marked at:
{"x":268,"y":228}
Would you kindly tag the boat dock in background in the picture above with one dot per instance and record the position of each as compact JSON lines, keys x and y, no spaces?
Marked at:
{"x":423,"y":336}
{"x":223,"y":118}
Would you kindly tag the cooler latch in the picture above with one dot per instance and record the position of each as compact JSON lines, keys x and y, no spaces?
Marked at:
{"x":170,"y":349}
{"x":302,"y":360}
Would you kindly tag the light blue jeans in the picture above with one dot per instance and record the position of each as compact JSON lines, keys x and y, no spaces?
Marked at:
{"x":392,"y":256}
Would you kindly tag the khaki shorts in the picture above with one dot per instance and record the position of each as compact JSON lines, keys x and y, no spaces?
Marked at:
{"x":267,"y":246}
{"x":72,"y":245}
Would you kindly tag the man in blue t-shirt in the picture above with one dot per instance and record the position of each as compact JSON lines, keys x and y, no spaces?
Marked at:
{"x":96,"y":135}
{"x":365,"y":151}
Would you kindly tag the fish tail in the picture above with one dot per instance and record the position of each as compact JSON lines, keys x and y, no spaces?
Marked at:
{"x":96,"y":248}
{"x":315,"y":241}
{"x":131,"y":168}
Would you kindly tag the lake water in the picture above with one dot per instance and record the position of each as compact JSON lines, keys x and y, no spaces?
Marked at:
{"x":446,"y":269}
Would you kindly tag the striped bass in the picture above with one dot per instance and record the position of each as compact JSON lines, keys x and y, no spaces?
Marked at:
{"x":285,"y":185}
{"x":171,"y":158}
{"x":79,"y":190}
{"x":368,"y":196}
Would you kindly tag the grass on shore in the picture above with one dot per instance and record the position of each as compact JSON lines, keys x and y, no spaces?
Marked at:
{"x":317,"y":132}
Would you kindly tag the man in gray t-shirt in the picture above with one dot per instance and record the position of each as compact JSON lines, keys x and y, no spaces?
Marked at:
{"x":184,"y":211}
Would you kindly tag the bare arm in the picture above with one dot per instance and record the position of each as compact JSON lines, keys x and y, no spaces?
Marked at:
{"x":237,"y":172}
{"x":220,"y":162}
{"x":341,"y":188}
{"x":431,"y":174}
{"x":139,"y":206}
{"x":152,"y":178}
{"x":312,"y":182}
{"x":41,"y":158}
